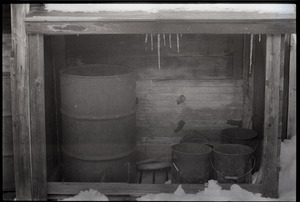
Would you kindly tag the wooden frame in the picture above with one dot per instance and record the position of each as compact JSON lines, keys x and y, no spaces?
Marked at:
{"x":29,"y":103}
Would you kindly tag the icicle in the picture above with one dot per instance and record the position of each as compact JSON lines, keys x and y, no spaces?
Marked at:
{"x":177,"y":36}
{"x":170,"y":40}
{"x":251,"y":49}
{"x":152,"y":42}
{"x":259,"y":37}
{"x":158,"y":50}
{"x":146,"y":40}
{"x":164,"y":37}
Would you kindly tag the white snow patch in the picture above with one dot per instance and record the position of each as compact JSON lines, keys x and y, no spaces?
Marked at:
{"x":88,"y":195}
{"x":154,"y":8}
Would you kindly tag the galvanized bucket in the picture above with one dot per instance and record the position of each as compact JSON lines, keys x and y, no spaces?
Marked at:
{"x":98,"y":105}
{"x":233,"y":163}
{"x":8,"y":176}
{"x":242,"y":136}
{"x":191,"y":163}
{"x":237,"y":135}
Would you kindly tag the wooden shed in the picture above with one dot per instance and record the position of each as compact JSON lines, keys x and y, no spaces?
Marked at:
{"x":196,"y":71}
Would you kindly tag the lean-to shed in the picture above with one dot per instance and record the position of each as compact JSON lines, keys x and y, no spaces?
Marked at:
{"x":217,"y":67}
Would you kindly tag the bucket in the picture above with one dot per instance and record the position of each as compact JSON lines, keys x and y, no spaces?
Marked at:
{"x":233,"y":163}
{"x":237,"y":135}
{"x":191,"y":163}
{"x":242,"y":136}
{"x":98,"y":105}
{"x":8,"y":182}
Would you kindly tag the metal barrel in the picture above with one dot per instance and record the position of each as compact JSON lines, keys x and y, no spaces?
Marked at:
{"x":233,"y":163}
{"x":191,"y":163}
{"x":98,"y":106}
{"x":8,"y":182}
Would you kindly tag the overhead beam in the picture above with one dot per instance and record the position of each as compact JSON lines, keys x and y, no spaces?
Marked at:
{"x":61,"y":26}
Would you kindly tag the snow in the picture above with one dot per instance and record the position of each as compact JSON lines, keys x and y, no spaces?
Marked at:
{"x":154,"y":8}
{"x":214,"y":192}
{"x":88,"y":195}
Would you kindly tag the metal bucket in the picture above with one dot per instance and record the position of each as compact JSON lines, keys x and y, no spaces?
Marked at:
{"x":242,"y":136}
{"x":191,"y":163}
{"x":233,"y":163}
{"x":237,"y":135}
{"x":98,"y":107}
{"x":8,"y":177}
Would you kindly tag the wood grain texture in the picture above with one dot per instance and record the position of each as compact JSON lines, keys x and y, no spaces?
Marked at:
{"x":69,"y":188}
{"x":270,"y":166}
{"x":286,"y":67}
{"x":291,"y":128}
{"x":37,"y":117}
{"x":20,"y":103}
{"x":248,"y":60}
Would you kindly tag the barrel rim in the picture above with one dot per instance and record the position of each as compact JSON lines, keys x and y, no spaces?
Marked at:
{"x":254,"y":134}
{"x":194,"y":154}
{"x":245,"y":146}
{"x":62,"y":71}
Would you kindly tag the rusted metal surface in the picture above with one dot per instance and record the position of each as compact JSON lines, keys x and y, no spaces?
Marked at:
{"x":191,"y":163}
{"x":98,"y":123}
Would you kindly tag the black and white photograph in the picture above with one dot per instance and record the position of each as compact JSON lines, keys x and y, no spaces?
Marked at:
{"x":149,"y":101}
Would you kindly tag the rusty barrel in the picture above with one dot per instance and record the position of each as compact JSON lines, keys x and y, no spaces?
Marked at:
{"x":8,"y":182}
{"x":98,"y":106}
{"x":191,"y":163}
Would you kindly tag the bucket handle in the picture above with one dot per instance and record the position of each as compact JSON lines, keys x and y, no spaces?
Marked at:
{"x":236,"y":178}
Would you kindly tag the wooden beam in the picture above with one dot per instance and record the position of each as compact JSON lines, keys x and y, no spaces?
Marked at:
{"x":37,"y":117}
{"x":271,"y":164}
{"x":59,"y":62}
{"x":286,"y":68}
{"x":161,"y":26}
{"x":291,"y":127}
{"x":20,"y":103}
{"x":114,"y":189}
{"x":248,"y":82}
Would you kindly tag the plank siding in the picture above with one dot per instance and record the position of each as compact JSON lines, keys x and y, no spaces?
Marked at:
{"x":202,"y":71}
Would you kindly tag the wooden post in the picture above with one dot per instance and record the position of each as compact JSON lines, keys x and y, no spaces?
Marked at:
{"x":20,"y":103}
{"x":248,"y":84}
{"x":286,"y":67}
{"x":37,"y":117}
{"x":291,"y":125}
{"x":270,"y":165}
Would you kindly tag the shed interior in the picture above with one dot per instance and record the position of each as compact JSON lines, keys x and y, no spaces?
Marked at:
{"x":195,"y":75}
{"x":211,"y":71}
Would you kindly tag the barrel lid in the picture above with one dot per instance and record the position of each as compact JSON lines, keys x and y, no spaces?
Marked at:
{"x":97,"y":71}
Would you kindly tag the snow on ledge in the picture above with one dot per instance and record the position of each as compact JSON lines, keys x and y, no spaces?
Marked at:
{"x":154,"y":8}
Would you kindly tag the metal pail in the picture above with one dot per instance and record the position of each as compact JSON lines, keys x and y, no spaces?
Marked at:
{"x":191,"y":163}
{"x":233,"y":163}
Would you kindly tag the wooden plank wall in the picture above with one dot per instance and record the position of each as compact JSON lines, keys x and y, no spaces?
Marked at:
{"x":202,"y":71}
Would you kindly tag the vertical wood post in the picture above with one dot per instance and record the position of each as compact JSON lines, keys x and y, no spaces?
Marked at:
{"x":20,"y":103}
{"x":247,"y":85}
{"x":270,"y":165}
{"x":37,"y":117}
{"x":286,"y":67}
{"x":291,"y":124}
